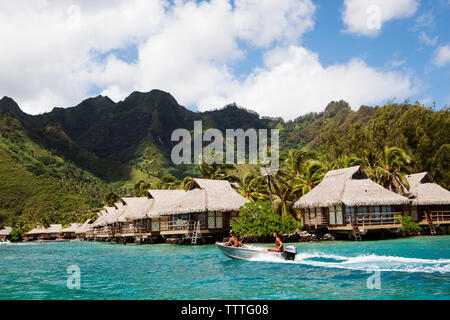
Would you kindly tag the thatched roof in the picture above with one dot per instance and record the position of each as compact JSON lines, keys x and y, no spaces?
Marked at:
{"x":54,"y":228}
{"x":101,"y":216}
{"x":85,"y":227}
{"x":206,"y":195}
{"x":163,"y":199}
{"x":6,"y":231}
{"x":191,"y":201}
{"x":423,"y":191}
{"x":135,"y":208}
{"x":72,"y":228}
{"x":351,"y":187}
{"x":220,"y":196}
{"x":114,"y":216}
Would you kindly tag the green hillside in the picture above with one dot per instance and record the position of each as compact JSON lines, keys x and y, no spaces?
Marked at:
{"x":56,"y":166}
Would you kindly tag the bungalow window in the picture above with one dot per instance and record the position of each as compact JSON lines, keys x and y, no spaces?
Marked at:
{"x":219,"y":220}
{"x":339,"y":215}
{"x":202,"y":219}
{"x":215,"y":220}
{"x":155,"y":225}
{"x":332,"y":215}
{"x":211,"y":220}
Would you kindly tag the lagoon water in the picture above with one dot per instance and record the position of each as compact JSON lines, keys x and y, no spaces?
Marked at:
{"x":412,"y":268}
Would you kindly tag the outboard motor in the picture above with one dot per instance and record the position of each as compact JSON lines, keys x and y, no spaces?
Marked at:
{"x":289,"y":253}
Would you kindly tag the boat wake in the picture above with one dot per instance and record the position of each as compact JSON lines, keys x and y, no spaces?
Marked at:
{"x":367,"y":262}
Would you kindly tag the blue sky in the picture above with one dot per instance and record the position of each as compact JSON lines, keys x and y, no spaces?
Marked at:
{"x":279,"y":58}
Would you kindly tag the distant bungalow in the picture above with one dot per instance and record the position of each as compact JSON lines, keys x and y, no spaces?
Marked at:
{"x":430,"y":203}
{"x":5,"y":233}
{"x":203,"y":212}
{"x":348,"y":202}
{"x":42,"y":233}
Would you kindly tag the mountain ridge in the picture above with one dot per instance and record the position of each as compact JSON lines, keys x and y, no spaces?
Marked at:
{"x":100,"y":146}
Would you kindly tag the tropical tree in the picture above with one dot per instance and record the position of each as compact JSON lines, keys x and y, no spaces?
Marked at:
{"x":210,"y":169}
{"x":186,"y":183}
{"x":111,"y":198}
{"x":141,"y":188}
{"x":253,"y":187}
{"x":311,"y":175}
{"x":168,"y":182}
{"x":257,"y":220}
{"x":391,"y":170}
{"x":346,"y":162}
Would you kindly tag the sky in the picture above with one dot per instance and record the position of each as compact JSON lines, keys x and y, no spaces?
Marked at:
{"x":277,"y":57}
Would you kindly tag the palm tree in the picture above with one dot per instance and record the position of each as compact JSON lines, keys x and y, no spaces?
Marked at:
{"x":346,"y":162}
{"x":294,"y":161}
{"x":391,"y":169}
{"x":187,"y":181}
{"x":216,"y":171}
{"x":312,"y":174}
{"x":253,"y":187}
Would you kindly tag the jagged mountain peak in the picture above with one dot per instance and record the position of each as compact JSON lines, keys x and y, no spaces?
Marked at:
{"x":8,"y":104}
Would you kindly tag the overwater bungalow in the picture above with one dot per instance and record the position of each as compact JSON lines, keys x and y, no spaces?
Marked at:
{"x":5,"y":233}
{"x":430,"y":203}
{"x":98,"y":227}
{"x":84,"y":230}
{"x":70,"y":231}
{"x":348,"y":202}
{"x":205,"y":210}
{"x":41,"y":233}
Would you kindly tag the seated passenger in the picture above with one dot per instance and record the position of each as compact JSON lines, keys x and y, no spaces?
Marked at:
{"x":233,"y":241}
{"x":278,"y":244}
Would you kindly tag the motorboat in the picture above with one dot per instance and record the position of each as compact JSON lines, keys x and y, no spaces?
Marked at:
{"x":251,"y":252}
{"x":2,"y":241}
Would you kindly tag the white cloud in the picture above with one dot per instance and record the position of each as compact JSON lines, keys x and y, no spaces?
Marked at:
{"x":51,"y":56}
{"x":49,"y":48}
{"x":442,"y":56}
{"x":293,"y":82}
{"x":366,"y":17}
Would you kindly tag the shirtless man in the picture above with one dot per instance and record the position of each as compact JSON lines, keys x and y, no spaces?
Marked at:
{"x":278,"y":244}
{"x":233,"y":241}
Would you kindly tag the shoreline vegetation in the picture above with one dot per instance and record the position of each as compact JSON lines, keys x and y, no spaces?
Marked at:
{"x":49,"y":148}
{"x":302,"y":202}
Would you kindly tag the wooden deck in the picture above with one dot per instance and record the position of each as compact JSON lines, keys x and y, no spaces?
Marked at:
{"x":366,"y":227}
{"x":206,"y":231}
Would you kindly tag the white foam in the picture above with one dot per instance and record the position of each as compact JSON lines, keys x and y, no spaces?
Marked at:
{"x":367,"y":262}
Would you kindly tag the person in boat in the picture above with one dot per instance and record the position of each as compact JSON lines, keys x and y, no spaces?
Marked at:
{"x":278,"y":244}
{"x":233,"y":241}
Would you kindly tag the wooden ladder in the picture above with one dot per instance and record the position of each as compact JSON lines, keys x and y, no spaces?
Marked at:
{"x":356,"y":232}
{"x":431,"y":225}
{"x":195,"y":233}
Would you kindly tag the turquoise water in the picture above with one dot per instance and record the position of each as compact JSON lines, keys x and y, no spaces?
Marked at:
{"x":413,"y":268}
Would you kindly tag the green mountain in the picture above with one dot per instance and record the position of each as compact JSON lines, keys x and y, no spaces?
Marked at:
{"x":56,"y":166}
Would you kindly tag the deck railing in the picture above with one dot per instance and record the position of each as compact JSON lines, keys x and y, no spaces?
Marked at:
{"x":180,"y":225}
{"x":436,"y":216}
{"x":132,"y":229}
{"x":374,"y":219}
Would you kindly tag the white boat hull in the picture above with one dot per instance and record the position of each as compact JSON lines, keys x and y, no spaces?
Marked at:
{"x":248,"y":252}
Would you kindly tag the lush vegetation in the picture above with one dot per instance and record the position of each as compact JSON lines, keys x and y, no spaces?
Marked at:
{"x":408,"y":224}
{"x":62,"y":166}
{"x":256,"y":219}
